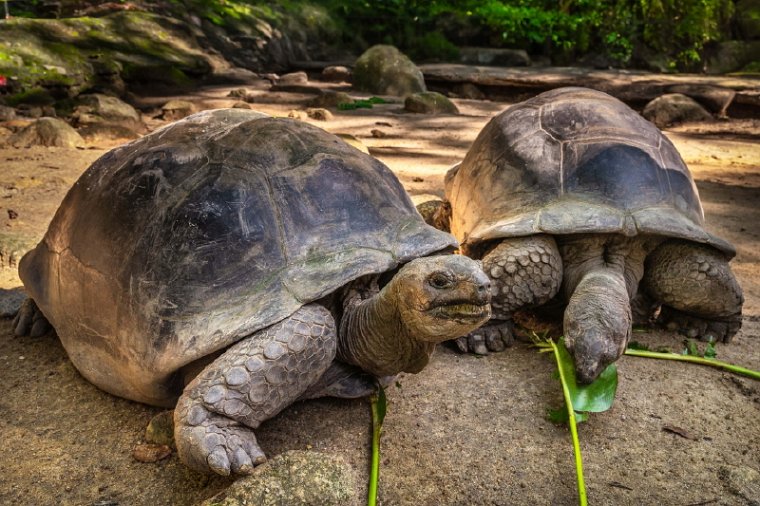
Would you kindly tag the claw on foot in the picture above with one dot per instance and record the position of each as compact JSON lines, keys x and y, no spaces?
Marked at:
{"x":495,"y":336}
{"x":718,"y":330}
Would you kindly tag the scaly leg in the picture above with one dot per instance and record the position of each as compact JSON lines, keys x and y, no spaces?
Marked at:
{"x":251,"y":382}
{"x":525,"y":272}
{"x":700,"y":295}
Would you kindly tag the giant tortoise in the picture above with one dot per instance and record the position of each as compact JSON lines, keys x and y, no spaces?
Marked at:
{"x":572,"y":192}
{"x":233,"y":263}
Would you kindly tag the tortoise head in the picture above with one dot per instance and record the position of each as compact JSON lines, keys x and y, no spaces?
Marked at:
{"x":442,"y":297}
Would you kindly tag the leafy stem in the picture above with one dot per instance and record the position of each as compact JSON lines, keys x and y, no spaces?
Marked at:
{"x":379,"y":403}
{"x":582,"y":500}
{"x":696,"y":360}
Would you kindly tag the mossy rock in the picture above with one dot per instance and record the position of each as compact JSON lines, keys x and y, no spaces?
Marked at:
{"x":673,"y":109}
{"x":295,"y":478}
{"x":47,"y":132}
{"x":384,"y":70}
{"x":64,"y":57}
{"x":430,"y":102}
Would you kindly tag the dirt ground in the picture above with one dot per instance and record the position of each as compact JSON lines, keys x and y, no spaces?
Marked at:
{"x":465,"y":431}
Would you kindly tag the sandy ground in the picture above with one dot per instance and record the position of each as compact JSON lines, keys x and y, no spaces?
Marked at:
{"x":467,"y":430}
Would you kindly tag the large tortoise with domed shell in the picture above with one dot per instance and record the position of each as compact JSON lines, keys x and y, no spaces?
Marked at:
{"x":233,"y":263}
{"x":573,"y":194}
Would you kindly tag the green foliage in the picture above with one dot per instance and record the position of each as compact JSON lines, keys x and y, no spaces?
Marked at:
{"x":620,"y":31}
{"x":361,"y":104}
{"x":378,"y":403}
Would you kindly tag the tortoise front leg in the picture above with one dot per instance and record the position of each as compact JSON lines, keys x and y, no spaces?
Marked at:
{"x":525,"y":272}
{"x":251,"y":382}
{"x":700,"y":295}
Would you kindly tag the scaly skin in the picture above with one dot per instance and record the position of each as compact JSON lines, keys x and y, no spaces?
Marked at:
{"x":700,"y":295}
{"x":525,"y":272}
{"x":383,"y":333}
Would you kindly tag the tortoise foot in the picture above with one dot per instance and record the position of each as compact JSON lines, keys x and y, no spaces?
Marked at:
{"x":220,"y":446}
{"x":495,"y":336}
{"x":30,"y":321}
{"x":704,"y":329}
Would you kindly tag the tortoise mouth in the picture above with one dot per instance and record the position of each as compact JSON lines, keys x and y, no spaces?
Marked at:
{"x":465,"y":312}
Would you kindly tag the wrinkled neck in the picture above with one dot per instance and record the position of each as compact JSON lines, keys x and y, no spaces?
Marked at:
{"x":374,"y":337}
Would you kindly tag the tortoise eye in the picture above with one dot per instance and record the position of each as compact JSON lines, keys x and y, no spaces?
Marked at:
{"x":440,"y":280}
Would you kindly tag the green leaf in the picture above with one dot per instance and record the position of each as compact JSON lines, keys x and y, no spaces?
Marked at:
{"x":691,"y":348}
{"x":596,"y":397}
{"x":710,"y":351}
{"x":560,"y":415}
{"x":635,"y":345}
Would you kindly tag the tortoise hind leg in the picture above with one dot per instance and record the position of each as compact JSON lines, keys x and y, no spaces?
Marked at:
{"x":525,"y":272}
{"x":700,"y":295}
{"x":30,"y":321}
{"x":251,"y":382}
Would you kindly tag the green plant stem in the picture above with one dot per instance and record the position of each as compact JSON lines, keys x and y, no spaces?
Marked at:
{"x":697,"y":360}
{"x":374,"y":471}
{"x":582,"y":500}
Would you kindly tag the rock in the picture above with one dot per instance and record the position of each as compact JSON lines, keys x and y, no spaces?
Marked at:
{"x":353,"y":141}
{"x":717,"y":99}
{"x":7,"y":113}
{"x":296,"y":114}
{"x":674,"y":108}
{"x":336,"y":74}
{"x":293,"y":79}
{"x":160,"y":429}
{"x":241,"y":105}
{"x":378,"y":134}
{"x":47,"y":132}
{"x":747,"y":16}
{"x":319,"y":114}
{"x":150,"y":453}
{"x":242,"y":94}
{"x":731,"y":56}
{"x":498,"y":57}
{"x":742,"y":481}
{"x":177,"y":109}
{"x":385,"y":70}
{"x":330,"y":99}
{"x":107,"y":116}
{"x":470,"y":91}
{"x":294,"y":478}
{"x":429,"y":102}
{"x":10,"y":301}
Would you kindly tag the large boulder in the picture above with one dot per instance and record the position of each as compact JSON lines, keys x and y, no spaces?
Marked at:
{"x":673,"y":109}
{"x":106,"y":116}
{"x":429,"y":102}
{"x":384,"y":70}
{"x":47,"y":132}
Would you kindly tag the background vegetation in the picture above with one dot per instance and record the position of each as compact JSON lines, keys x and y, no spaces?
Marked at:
{"x":656,"y":34}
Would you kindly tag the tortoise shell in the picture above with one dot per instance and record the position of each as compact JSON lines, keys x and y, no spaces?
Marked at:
{"x":181,"y":243}
{"x":574,"y":160}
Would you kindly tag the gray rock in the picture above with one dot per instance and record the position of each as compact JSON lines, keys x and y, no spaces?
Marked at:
{"x":293,"y":79}
{"x":430,"y":102}
{"x":498,"y":57}
{"x":673,"y":109}
{"x":294,"y":478}
{"x":177,"y":109}
{"x":742,"y":481}
{"x":319,"y":114}
{"x":47,"y":132}
{"x":336,"y":74}
{"x":107,"y":116}
{"x":330,"y":99}
{"x":10,"y":301}
{"x":387,"y":71}
{"x":7,"y":113}
{"x":160,"y":429}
